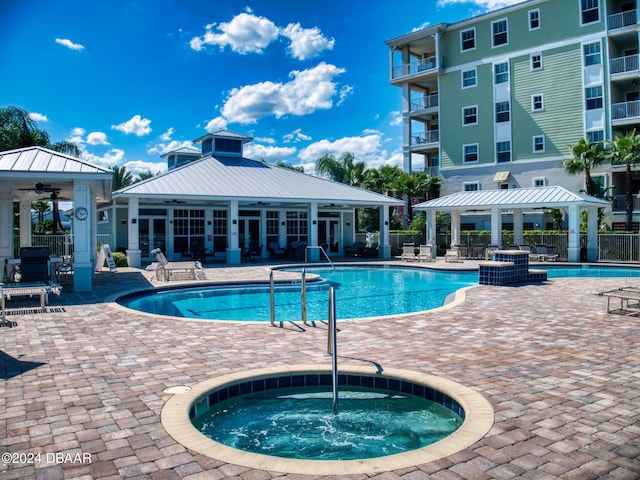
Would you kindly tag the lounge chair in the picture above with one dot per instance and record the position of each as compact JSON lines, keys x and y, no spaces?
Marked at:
{"x":452,"y":256}
{"x":34,"y":264}
{"x":166,"y":270}
{"x":408,"y":252}
{"x":357,"y":248}
{"x":371,"y":251}
{"x":533,"y":257}
{"x":491,"y":251}
{"x":275,"y":250}
{"x":546,"y":254}
{"x":629,"y":300}
{"x":425,"y":254}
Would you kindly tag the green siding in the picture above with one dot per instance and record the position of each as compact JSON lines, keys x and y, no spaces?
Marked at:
{"x":560,"y":83}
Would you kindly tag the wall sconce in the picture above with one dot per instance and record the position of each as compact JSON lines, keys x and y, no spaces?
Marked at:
{"x":234,"y":221}
{"x":348,"y":224}
{"x":282,"y":224}
{"x":208,"y":222}
{"x":124,"y":222}
{"x":133,"y":220}
{"x":386,"y":223}
{"x":314,"y":222}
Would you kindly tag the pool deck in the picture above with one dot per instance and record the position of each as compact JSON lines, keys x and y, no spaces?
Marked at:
{"x":82,"y":384}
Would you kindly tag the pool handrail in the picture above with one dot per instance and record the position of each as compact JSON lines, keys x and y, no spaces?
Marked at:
{"x":323,"y":252}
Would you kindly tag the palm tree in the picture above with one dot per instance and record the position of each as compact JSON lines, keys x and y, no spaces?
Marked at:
{"x":586,"y":156}
{"x":416,"y":185}
{"x":144,"y":176}
{"x":625,"y":149}
{"x":382,"y":179}
{"x":18,"y":130}
{"x":344,"y":170}
{"x":121,"y":178}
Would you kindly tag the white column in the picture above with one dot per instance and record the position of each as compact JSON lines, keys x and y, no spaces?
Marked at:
{"x":25,"y":223}
{"x":133,"y":234}
{"x":455,"y":228}
{"x":384,"y":242}
{"x":496,"y":227}
{"x":234,"y":254}
{"x":84,"y":248}
{"x":6,"y":234}
{"x":592,"y":235}
{"x":573,"y":248}
{"x":313,"y":254}
{"x":431,"y":232}
{"x":518,"y":218}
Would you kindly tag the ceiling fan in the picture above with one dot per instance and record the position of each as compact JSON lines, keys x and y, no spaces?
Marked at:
{"x":41,"y":188}
{"x":174,"y":201}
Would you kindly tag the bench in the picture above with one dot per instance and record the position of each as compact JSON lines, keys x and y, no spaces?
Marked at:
{"x":41,"y":289}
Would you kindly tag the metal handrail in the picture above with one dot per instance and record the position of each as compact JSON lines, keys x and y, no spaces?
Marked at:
{"x":272,"y":302}
{"x":323,"y":252}
{"x":332,"y":347}
{"x":303,"y":295}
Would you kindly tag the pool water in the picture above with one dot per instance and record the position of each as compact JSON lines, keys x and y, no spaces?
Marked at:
{"x":590,"y":271}
{"x":299,"y":424}
{"x":360,"y":292}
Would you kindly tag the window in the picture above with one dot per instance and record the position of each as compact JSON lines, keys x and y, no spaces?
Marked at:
{"x":468,"y":39}
{"x":536,"y":61}
{"x":534,"y":19}
{"x":188,"y":225}
{"x":537,"y":103}
{"x":219,"y":230}
{"x":499,"y":29}
{"x":503,"y":186}
{"x":589,"y":11}
{"x":503,"y":152}
{"x":591,"y":54}
{"x":470,"y":115}
{"x":539,"y":182}
{"x":470,"y":153}
{"x":538,"y":143}
{"x":593,"y":96}
{"x":502,"y":112}
{"x":501,"y":72}
{"x":595,"y":136}
{"x":469,"y":78}
{"x":471,"y":186}
{"x":297,"y":227}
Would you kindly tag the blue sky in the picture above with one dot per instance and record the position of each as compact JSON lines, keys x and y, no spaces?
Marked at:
{"x":131,"y":80}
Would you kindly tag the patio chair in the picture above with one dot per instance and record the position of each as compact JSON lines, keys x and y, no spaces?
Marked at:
{"x":34,"y":264}
{"x":533,"y":257}
{"x":452,"y":256}
{"x":425,"y":254}
{"x":275,"y":250}
{"x":546,"y":254}
{"x":490,"y":251}
{"x":357,"y":248}
{"x":371,"y":251}
{"x":408,"y":252}
{"x":166,"y":270}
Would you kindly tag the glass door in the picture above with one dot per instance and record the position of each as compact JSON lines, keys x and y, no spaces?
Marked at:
{"x":152,"y":234}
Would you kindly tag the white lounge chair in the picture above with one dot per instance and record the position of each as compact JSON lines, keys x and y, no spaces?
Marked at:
{"x":546,"y":254}
{"x":166,"y":270}
{"x":452,"y":256}
{"x":408,"y":252}
{"x":490,"y":251}
{"x":425,"y":254}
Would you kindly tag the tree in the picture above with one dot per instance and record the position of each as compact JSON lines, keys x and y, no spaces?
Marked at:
{"x":144,"y":176}
{"x":382,"y":179}
{"x":121,"y":178}
{"x":625,"y":150}
{"x":297,"y":168}
{"x":586,"y":156}
{"x":344,"y":170}
{"x":416,"y":185}
{"x":19,"y":130}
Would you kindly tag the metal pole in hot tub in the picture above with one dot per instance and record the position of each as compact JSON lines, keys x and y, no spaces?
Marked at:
{"x":333,"y":347}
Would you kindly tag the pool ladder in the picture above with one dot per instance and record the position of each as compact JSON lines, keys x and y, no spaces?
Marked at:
{"x":323,"y":252}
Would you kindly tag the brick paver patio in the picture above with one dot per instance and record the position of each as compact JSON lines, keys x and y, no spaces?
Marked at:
{"x":84,"y":383}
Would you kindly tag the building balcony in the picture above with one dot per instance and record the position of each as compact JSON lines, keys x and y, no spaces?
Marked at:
{"x":619,"y":203}
{"x":424,"y":103}
{"x":425,"y":65}
{"x":626,"y":64}
{"x":424,"y":141}
{"x":622,"y":20}
{"x":623,"y":112}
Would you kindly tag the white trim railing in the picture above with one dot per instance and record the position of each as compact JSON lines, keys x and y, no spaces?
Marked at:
{"x":622,"y":19}
{"x":628,"y":63}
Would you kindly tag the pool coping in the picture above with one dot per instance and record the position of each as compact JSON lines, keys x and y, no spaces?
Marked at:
{"x":479,"y":418}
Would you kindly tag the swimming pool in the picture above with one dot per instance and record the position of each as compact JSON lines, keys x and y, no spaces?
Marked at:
{"x":360,"y":292}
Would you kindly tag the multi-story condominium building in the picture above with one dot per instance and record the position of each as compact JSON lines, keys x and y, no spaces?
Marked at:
{"x":496,"y":101}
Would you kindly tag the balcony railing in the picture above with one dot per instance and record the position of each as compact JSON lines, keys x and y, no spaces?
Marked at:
{"x":430,"y":136}
{"x":423,"y":65}
{"x":619,"y":203}
{"x":624,"y":110}
{"x":629,"y":63}
{"x":623,"y":19}
{"x":430,"y":101}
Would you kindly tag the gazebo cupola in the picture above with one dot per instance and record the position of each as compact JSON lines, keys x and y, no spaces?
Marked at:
{"x":223,"y":142}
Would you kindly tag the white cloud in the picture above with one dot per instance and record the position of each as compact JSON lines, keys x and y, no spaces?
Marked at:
{"x":267,"y":153}
{"x":218,"y":123}
{"x":296,"y":136}
{"x":396,"y":118}
{"x":110,"y":158}
{"x":166,"y":136}
{"x":97,"y":138}
{"x":162,"y":148}
{"x":77,"y":136}
{"x":423,"y":25}
{"x":249,"y":33}
{"x":137,"y":125}
{"x":136,"y":167}
{"x":344,"y":93}
{"x":65,"y":42}
{"x":38,"y":117}
{"x":245,"y":33}
{"x":484,"y":4}
{"x":306,"y":42}
{"x":308,"y":91}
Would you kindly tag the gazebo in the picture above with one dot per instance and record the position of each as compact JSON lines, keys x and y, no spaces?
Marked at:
{"x":516,"y":201}
{"x":35,"y":173}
